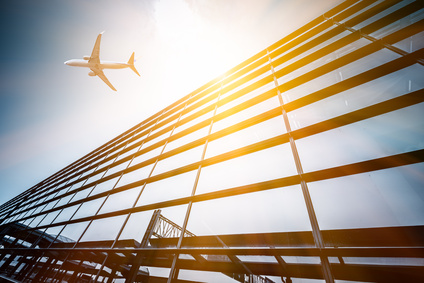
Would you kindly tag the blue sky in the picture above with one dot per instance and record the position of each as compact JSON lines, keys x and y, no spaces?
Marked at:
{"x":52,"y":114}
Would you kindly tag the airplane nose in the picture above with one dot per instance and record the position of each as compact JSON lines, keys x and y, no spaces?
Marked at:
{"x":66,"y":62}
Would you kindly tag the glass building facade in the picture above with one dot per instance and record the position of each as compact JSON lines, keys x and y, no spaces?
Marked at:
{"x":304,"y":163}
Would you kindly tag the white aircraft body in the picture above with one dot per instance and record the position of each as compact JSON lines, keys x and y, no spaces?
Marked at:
{"x":96,"y":66}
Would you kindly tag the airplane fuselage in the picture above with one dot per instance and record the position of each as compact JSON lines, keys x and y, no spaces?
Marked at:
{"x":101,"y":65}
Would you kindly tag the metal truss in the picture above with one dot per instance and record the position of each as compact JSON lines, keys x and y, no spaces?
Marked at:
{"x":28,"y":253}
{"x":165,"y":228}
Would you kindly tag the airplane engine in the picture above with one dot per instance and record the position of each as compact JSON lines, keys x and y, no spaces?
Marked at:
{"x":91,"y":74}
{"x":86,"y":58}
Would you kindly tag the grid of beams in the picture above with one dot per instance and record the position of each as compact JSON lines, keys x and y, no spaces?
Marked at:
{"x":308,"y":85}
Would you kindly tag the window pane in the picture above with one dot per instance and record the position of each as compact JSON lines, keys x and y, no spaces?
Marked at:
{"x":391,"y":197}
{"x":167,"y":189}
{"x":120,"y":200}
{"x":247,"y":113}
{"x":187,"y":157}
{"x":49,"y":218}
{"x":104,"y":186}
{"x":262,"y":131}
{"x":66,"y":214}
{"x":89,"y":208}
{"x":384,"y":88}
{"x":187,"y":139}
{"x":392,"y":133}
{"x":104,"y":229}
{"x":72,"y":232}
{"x":135,"y":175}
{"x":276,"y":210}
{"x":264,"y":165}
{"x":352,"y":69}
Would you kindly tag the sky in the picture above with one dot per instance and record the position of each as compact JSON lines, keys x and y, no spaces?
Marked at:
{"x":52,"y":114}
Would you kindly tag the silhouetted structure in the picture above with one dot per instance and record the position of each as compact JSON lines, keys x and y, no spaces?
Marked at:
{"x":304,"y":161}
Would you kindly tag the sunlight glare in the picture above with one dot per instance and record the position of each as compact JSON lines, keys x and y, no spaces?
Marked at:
{"x":191,"y":39}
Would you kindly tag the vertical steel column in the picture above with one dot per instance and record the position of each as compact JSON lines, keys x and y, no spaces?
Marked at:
{"x":316,"y":232}
{"x":12,"y":271}
{"x":86,"y":228}
{"x":58,"y":215}
{"x":135,"y":202}
{"x":139,"y":257}
{"x":173,"y":274}
{"x":34,"y":244}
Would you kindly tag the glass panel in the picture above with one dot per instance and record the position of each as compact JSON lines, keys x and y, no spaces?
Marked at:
{"x":79,"y":184}
{"x":94,"y":178}
{"x":146,"y":156}
{"x":53,"y":231}
{"x":264,"y":165}
{"x":38,"y":209}
{"x":136,"y":226}
{"x":391,"y":197}
{"x":104,"y":229}
{"x":105,"y":186}
{"x":159,"y":272}
{"x":381,"y":14}
{"x":302,"y":259}
{"x":156,"y":139}
{"x":366,"y":63}
{"x":130,"y":152}
{"x":35,"y":221}
{"x":66,"y":214}
{"x":283,"y":62}
{"x":193,"y":122}
{"x":253,"y":134}
{"x":82,"y":194}
{"x":84,"y":175}
{"x":323,"y":60}
{"x":392,"y":133}
{"x":266,"y":73}
{"x":26,"y":222}
{"x":384,"y":261}
{"x":167,"y":189}
{"x":247,"y":113}
{"x":179,"y":160}
{"x":198,"y":108}
{"x":89,"y":208}
{"x":276,"y":210}
{"x":205,"y":276}
{"x":72,"y":232}
{"x":265,"y":68}
{"x":187,"y":139}
{"x":258,"y":258}
{"x":237,"y":101}
{"x":120,"y":200}
{"x":412,"y":43}
{"x":117,"y":168}
{"x":391,"y":28}
{"x":135,"y":175}
{"x":163,"y":127}
{"x":50,"y":205}
{"x":64,"y":200}
{"x":384,"y":88}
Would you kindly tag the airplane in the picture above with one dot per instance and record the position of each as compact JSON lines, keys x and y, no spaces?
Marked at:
{"x":96,"y":66}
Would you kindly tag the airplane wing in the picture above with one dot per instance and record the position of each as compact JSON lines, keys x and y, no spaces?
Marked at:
{"x":101,"y":75}
{"x":95,"y":54}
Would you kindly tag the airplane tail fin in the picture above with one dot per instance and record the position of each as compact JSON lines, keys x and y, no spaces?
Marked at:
{"x":131,"y":63}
